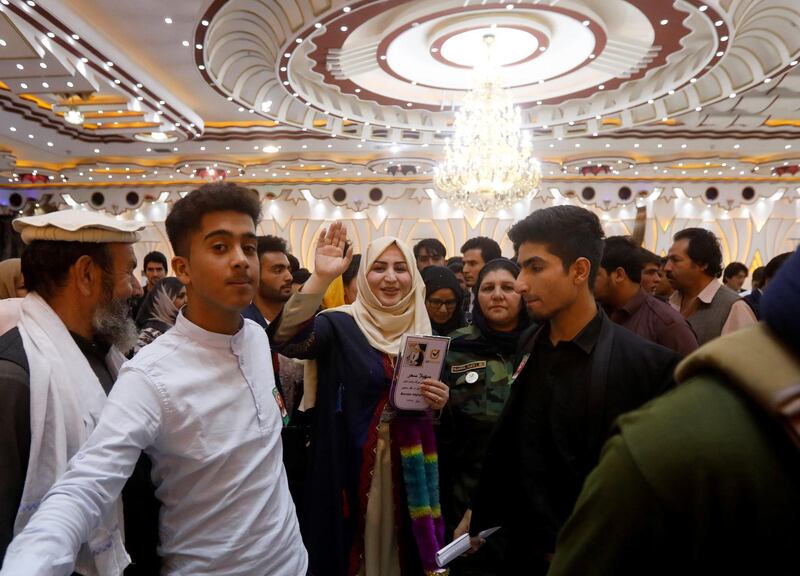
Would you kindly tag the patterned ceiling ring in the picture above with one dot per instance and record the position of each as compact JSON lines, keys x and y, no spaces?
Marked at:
{"x":710,"y":63}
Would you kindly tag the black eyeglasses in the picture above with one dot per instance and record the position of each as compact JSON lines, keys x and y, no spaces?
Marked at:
{"x":436,"y":303}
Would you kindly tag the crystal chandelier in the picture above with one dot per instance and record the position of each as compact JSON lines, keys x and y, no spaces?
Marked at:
{"x":488,"y":162}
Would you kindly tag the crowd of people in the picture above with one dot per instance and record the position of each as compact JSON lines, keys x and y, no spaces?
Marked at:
{"x":612,"y":410}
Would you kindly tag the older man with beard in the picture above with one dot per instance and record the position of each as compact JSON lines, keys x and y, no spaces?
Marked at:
{"x":60,"y":361}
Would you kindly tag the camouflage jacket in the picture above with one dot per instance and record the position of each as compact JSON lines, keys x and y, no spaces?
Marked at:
{"x":479,"y":387}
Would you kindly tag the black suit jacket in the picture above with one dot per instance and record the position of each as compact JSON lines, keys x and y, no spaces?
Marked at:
{"x":626,"y":372}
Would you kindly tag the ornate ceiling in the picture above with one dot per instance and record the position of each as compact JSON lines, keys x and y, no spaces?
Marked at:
{"x":315,"y":95}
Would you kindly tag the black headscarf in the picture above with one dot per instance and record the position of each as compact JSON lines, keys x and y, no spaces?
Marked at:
{"x":492,"y":341}
{"x":437,"y":278}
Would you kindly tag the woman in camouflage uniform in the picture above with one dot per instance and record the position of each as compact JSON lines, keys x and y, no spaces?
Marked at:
{"x":478,"y":369}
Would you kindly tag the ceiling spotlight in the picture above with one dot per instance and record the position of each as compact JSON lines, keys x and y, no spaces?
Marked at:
{"x":198,"y":46}
{"x":185,"y":43}
{"x":269,"y":149}
{"x":343,"y":28}
{"x":168,"y":20}
{"x":346,"y":9}
{"x":76,"y":37}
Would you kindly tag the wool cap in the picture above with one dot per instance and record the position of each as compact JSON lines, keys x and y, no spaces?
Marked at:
{"x":77,"y":226}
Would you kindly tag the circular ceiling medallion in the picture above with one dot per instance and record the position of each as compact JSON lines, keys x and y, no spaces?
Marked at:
{"x":396,"y":71}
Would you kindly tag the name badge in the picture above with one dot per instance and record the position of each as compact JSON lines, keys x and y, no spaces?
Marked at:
{"x":281,"y":406}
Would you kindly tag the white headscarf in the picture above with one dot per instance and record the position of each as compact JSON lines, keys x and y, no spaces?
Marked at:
{"x":384,"y":326}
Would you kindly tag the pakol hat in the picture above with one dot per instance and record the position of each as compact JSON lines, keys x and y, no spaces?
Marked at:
{"x":77,"y":226}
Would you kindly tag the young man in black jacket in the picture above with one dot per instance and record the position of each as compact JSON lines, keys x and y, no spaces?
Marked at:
{"x":576,"y":372}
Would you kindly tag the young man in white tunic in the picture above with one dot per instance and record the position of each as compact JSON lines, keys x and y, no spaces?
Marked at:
{"x":201,"y":401}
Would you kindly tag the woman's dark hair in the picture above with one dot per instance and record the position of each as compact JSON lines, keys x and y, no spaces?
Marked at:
{"x":187,"y":214}
{"x":352,"y":270}
{"x":45,"y":263}
{"x":569,"y":232}
{"x":704,"y":249}
{"x":622,"y":252}
{"x":294,"y":263}
{"x":300,"y":276}
{"x":490,"y":250}
{"x":734,"y":269}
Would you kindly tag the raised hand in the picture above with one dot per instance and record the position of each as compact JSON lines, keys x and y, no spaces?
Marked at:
{"x":330,"y":258}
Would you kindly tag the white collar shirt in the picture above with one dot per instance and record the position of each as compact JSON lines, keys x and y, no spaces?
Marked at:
{"x":203,"y":406}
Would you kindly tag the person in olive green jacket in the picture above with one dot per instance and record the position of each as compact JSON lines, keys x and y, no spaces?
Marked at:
{"x":478,"y":369}
{"x":705,"y":480}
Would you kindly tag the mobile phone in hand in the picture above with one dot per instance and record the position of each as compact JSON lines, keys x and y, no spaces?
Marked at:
{"x":346,"y":248}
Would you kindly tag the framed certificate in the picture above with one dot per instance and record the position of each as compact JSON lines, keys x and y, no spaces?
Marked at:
{"x":420,"y":358}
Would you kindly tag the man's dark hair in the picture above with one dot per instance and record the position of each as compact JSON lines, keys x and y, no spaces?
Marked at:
{"x":46,"y":264}
{"x":733,"y":269}
{"x":770,"y":270}
{"x":456,"y":267}
{"x":157,"y":257}
{"x":622,"y":252}
{"x":271,"y":244}
{"x":569,"y":232}
{"x":490,"y":250}
{"x":704,"y":249}
{"x":294,"y":263}
{"x":352,"y":270}
{"x":758,"y":277}
{"x":649,"y":257}
{"x":432,"y":246}
{"x":187,"y":214}
{"x":454,"y":260}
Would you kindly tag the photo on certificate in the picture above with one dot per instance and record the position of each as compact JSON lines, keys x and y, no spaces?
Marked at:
{"x":421,"y":358}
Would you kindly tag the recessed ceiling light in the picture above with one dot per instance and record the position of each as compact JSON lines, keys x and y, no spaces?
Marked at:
{"x":343,"y":28}
{"x":683,"y":145}
{"x":737,"y":146}
{"x":109,"y":64}
{"x":201,"y":67}
{"x":732,"y":95}
{"x":718,"y":23}
{"x":45,"y":85}
{"x":698,"y":109}
{"x":23,"y":86}
{"x":76,"y":37}
{"x":586,"y":22}
{"x":767,"y":80}
{"x":693,"y":80}
{"x":20,"y":67}
{"x":346,"y":9}
{"x":12,"y":129}
{"x":298,"y":40}
{"x":720,"y":54}
{"x":703,"y":8}
{"x":636,"y":145}
{"x":31,"y":3}
{"x":185,"y":43}
{"x":788,"y":146}
{"x":84,"y":60}
{"x":97,"y":150}
{"x":793,"y":63}
{"x":198,"y":46}
{"x":602,"y":87}
{"x":317,"y":25}
{"x":286,"y":55}
{"x":51,"y":35}
{"x":723,"y":39}
{"x":168,"y":20}
{"x":664,"y":22}
{"x":204,"y":22}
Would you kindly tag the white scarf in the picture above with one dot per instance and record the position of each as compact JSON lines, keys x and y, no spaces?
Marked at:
{"x":382,"y":326}
{"x":66,"y":399}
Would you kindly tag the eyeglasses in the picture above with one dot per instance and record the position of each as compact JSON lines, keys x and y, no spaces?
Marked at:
{"x":436,"y":303}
